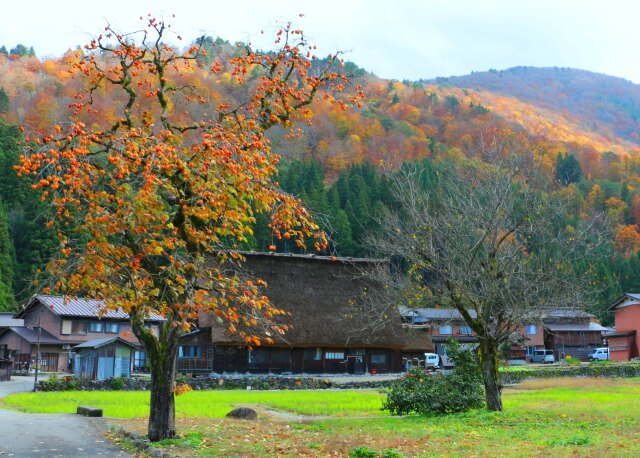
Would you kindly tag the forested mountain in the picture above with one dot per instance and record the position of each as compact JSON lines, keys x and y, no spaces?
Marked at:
{"x":584,"y":126}
{"x":603,"y":104}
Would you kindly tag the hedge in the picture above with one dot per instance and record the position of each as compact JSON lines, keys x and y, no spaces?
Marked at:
{"x":591,"y":370}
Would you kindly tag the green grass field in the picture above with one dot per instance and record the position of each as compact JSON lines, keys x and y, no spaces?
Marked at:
{"x":207,"y":404}
{"x":550,"y":417}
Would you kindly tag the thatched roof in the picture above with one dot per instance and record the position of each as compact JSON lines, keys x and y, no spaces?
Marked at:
{"x":326,"y":299}
{"x":417,"y":341}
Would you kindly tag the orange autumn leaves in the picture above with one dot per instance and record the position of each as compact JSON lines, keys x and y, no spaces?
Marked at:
{"x":153,"y":204}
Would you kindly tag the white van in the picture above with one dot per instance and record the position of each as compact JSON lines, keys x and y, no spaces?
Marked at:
{"x":600,"y":354}
{"x":431,"y":360}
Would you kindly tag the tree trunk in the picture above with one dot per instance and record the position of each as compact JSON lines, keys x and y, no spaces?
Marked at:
{"x":162,"y":414}
{"x":489,"y":359}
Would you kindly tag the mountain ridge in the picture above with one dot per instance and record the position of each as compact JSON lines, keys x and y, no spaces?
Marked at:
{"x":608,"y":105}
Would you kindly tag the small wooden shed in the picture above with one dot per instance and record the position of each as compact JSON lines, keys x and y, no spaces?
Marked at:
{"x":100,"y":359}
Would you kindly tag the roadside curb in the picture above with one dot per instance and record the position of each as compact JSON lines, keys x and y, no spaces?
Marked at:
{"x":140,"y":443}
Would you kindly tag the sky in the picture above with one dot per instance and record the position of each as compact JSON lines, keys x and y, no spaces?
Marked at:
{"x":398,"y":39}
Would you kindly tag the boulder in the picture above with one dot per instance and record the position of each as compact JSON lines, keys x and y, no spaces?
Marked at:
{"x":244,"y":413}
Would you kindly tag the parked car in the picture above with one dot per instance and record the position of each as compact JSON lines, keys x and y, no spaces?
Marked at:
{"x":543,"y":357}
{"x":600,"y":354}
{"x":431,"y":360}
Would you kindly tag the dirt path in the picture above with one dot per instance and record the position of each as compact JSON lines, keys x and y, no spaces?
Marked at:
{"x":50,"y":435}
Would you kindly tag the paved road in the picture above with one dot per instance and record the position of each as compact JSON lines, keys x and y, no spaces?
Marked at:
{"x":50,"y":435}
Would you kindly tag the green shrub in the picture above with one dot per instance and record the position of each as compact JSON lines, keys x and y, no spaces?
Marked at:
{"x":365,"y":452}
{"x":362,"y":452}
{"x":117,"y":383}
{"x":572,"y":361}
{"x":427,"y":393}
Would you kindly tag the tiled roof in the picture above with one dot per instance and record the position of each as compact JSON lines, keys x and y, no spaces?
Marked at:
{"x":7,"y":320}
{"x":566,"y":313}
{"x":97,"y":343}
{"x":89,"y":308}
{"x":591,"y":327}
{"x":441,"y":314}
{"x":31,"y":336}
{"x":460,"y":339}
{"x":634,"y":296}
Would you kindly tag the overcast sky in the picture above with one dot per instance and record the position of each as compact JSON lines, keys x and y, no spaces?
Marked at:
{"x":401,"y":39}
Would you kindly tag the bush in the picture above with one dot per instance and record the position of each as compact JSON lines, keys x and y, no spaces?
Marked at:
{"x":117,"y":383}
{"x":365,"y":452}
{"x":428,"y":393}
{"x":572,"y":361}
{"x":623,"y":370}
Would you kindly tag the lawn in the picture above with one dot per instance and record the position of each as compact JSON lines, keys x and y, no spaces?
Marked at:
{"x":550,"y":417}
{"x":207,"y":404}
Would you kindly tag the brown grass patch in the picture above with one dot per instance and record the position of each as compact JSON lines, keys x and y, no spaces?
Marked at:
{"x":570,"y":382}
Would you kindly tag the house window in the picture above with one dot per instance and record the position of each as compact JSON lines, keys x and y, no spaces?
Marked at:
{"x":530,"y":329}
{"x":190,"y":351}
{"x":111,"y":328}
{"x":258,"y":356}
{"x":139,"y":361}
{"x":378,"y":358}
{"x":334,"y":355}
{"x":312,"y":354}
{"x":445,"y":330}
{"x":466,"y":330}
{"x":78,"y":327}
{"x":66,"y":327}
{"x":96,"y":326}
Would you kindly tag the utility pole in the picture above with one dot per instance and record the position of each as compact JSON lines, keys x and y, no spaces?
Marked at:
{"x":35,"y":382}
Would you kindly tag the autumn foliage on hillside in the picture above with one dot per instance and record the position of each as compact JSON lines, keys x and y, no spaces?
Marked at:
{"x":346,"y":154}
{"x":398,"y":122}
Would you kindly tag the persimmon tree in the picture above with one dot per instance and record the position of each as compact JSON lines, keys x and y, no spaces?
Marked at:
{"x":153,"y":209}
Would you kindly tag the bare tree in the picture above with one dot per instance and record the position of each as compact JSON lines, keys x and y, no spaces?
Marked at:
{"x":488,"y":238}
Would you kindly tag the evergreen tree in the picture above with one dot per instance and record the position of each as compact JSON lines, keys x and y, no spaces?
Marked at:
{"x":23,"y":51}
{"x":568,"y":169}
{"x":33,"y":242}
{"x":341,"y":234}
{"x":7,"y":261}
{"x":4,"y":101}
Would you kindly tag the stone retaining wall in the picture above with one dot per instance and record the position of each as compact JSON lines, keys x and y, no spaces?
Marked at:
{"x":249,"y":382}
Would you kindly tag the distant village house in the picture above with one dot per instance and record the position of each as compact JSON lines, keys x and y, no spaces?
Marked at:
{"x":624,"y":343}
{"x":57,"y":325}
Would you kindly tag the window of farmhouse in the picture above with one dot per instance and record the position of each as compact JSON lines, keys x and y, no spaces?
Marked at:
{"x":334,"y":355}
{"x":378,"y":358}
{"x":312,"y":354}
{"x":190,"y":351}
